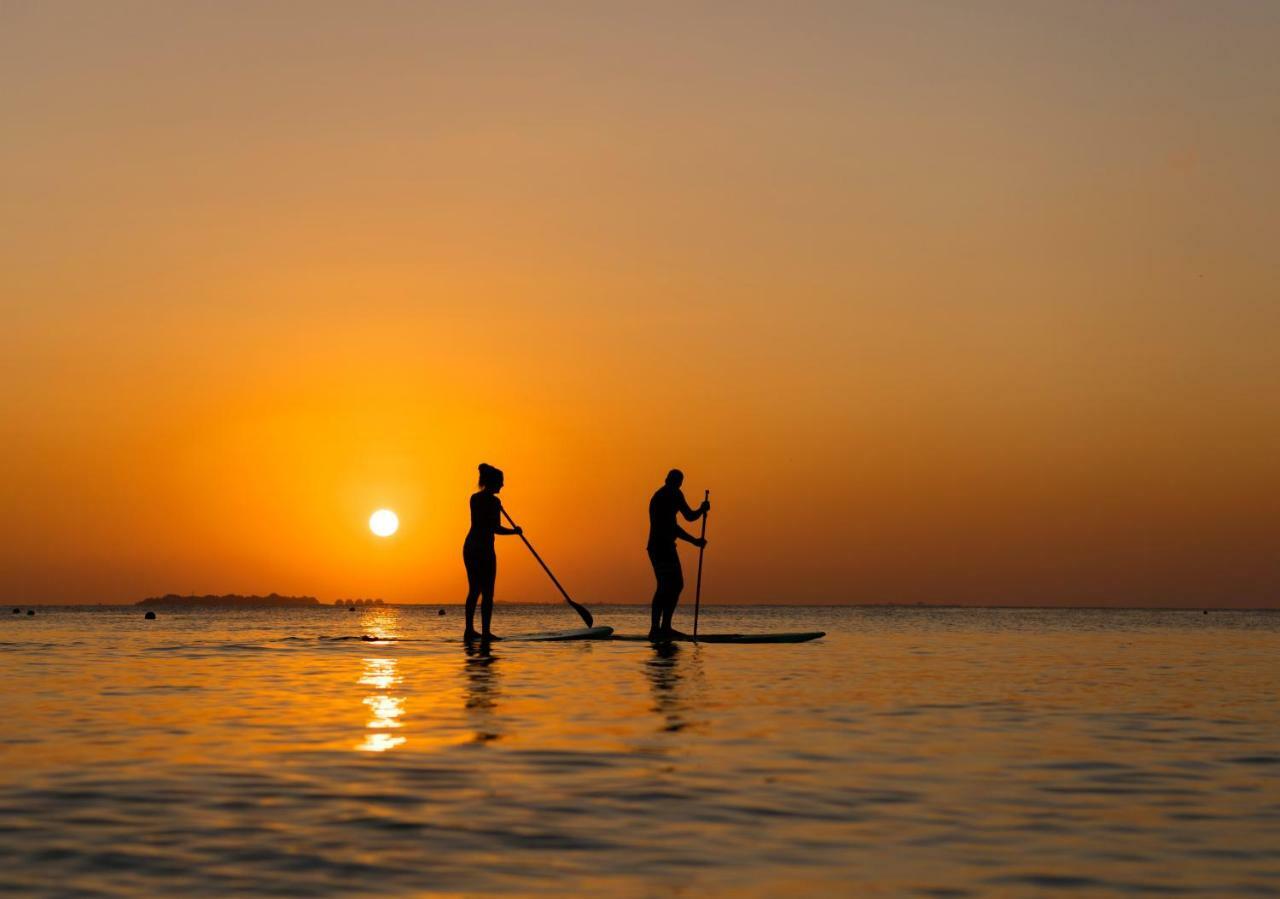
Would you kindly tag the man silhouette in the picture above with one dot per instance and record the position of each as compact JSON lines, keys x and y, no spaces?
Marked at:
{"x":663,"y":533}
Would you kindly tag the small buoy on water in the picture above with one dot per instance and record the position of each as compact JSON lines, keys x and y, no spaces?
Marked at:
{"x":17,"y":611}
{"x":1206,"y":611}
{"x":31,"y":611}
{"x":150,"y":616}
{"x":442,"y":611}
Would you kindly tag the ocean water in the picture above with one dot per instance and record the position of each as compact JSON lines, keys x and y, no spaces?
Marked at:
{"x":910,"y":752}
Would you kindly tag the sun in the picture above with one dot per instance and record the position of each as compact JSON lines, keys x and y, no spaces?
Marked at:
{"x":384,"y":522}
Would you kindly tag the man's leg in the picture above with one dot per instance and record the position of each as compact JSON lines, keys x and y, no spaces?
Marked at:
{"x":659,"y":596}
{"x":655,"y":614}
{"x":674,"y":586}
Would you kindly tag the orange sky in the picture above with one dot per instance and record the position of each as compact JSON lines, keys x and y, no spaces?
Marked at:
{"x":944,"y":304}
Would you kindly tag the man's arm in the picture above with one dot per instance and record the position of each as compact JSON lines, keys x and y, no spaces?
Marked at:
{"x":684,"y":535}
{"x":691,"y":514}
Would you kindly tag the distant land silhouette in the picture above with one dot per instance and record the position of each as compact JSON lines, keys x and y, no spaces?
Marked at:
{"x":230,"y":601}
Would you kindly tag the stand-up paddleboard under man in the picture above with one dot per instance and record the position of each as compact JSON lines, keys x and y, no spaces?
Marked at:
{"x":664,"y":531}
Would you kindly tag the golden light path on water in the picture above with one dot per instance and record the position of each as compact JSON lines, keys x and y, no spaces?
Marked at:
{"x":385,"y":709}
{"x":382,"y":675}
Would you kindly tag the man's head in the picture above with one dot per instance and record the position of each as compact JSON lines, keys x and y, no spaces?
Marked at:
{"x":675,"y":477}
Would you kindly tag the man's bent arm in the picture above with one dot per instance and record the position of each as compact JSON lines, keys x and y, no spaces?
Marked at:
{"x":689,"y":514}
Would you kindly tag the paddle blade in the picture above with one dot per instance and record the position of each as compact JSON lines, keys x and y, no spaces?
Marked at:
{"x":581,"y":610}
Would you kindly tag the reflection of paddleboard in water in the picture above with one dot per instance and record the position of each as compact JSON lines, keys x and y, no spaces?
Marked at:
{"x":795,"y":637}
{"x":585,"y":633}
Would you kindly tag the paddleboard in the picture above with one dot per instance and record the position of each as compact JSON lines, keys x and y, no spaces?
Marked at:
{"x":795,"y":637}
{"x":585,"y":633}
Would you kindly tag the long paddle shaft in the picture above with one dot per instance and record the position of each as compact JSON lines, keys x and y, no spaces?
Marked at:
{"x":580,"y":609}
{"x":697,"y":593}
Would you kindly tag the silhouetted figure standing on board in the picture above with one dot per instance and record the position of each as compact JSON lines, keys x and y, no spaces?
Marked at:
{"x":478,"y":554}
{"x":664,"y":531}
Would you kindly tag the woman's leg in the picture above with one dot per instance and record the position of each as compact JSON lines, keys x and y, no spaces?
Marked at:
{"x":486,"y":599}
{"x":471,"y":613}
{"x":473,"y":591}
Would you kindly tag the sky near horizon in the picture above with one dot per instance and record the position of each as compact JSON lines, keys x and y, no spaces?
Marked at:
{"x":970,"y":303}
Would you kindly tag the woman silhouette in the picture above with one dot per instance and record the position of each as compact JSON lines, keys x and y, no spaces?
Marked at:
{"x":478,"y":554}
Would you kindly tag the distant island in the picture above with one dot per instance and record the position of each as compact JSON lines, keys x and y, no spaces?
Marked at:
{"x":231,"y":601}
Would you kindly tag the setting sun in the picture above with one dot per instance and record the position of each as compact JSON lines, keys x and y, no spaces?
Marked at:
{"x":384,"y":522}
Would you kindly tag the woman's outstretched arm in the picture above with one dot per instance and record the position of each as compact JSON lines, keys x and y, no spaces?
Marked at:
{"x":497,"y":521}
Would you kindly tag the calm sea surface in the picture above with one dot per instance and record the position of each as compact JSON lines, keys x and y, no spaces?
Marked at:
{"x":910,"y":752}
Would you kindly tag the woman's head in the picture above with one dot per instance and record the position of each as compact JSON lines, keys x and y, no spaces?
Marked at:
{"x":490,"y":478}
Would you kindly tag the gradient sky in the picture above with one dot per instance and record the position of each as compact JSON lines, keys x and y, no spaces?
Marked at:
{"x":945,"y":302}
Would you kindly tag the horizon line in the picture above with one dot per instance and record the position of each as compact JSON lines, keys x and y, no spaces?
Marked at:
{"x":643,"y":604}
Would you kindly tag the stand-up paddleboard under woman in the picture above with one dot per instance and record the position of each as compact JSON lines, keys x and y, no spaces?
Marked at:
{"x":478,"y":554}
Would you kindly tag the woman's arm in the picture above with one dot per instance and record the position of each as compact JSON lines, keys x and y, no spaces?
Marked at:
{"x":497,"y":521}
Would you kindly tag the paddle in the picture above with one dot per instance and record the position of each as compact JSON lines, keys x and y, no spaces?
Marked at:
{"x":580,"y":609}
{"x":697,"y":595}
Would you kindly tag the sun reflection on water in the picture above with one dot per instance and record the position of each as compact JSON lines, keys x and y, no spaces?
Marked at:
{"x":385,"y":710}
{"x":380,"y":623}
{"x":380,"y":743}
{"x":379,"y":673}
